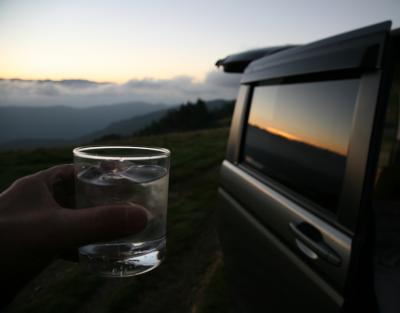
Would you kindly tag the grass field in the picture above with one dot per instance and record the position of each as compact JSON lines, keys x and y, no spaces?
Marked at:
{"x":191,"y":279}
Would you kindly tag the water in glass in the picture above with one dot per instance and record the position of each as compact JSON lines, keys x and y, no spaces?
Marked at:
{"x":114,"y":182}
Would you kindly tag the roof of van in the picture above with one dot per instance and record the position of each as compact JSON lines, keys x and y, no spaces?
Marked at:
{"x":353,"y":50}
{"x":237,"y":63}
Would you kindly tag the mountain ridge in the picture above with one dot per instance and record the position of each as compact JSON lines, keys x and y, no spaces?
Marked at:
{"x":121,"y":127}
{"x":65,"y":122}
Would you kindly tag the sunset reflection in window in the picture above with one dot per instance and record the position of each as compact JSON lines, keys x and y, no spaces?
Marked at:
{"x":298,"y":134}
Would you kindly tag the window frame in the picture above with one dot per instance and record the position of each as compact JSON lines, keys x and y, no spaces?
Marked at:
{"x":359,"y":150}
{"x":296,"y":196}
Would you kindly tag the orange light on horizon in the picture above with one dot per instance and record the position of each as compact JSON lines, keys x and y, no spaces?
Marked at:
{"x":107,"y":66}
{"x":309,"y":141}
{"x":282,"y":133}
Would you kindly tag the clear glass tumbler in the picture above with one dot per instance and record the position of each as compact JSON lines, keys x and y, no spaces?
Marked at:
{"x":124,"y":175}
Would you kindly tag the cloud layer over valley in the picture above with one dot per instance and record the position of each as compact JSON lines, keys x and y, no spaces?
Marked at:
{"x":84,"y":93}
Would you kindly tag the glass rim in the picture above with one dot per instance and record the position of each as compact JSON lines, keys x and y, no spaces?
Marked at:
{"x":82,"y":152}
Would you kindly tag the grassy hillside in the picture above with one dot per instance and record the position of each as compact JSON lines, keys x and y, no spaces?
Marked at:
{"x":191,"y":279}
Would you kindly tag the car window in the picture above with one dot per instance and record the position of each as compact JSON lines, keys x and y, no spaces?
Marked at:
{"x":298,"y":135}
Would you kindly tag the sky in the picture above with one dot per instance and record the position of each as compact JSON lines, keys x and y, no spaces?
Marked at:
{"x":128,"y":41}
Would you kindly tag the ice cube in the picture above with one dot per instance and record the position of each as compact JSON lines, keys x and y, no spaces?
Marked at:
{"x":144,"y":173}
{"x":113,"y":166}
{"x":89,"y":174}
{"x":101,"y":176}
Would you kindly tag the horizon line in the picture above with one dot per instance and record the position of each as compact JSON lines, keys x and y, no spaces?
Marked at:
{"x":195,"y":79}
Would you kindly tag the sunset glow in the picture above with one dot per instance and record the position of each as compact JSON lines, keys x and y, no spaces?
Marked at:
{"x":310,"y":141}
{"x":318,"y":113}
{"x":120,"y":40}
{"x":281,"y":133}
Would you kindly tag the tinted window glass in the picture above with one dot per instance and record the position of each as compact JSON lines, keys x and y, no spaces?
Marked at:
{"x":298,"y":135}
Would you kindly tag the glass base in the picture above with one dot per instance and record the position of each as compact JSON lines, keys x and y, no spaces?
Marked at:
{"x":122,"y":259}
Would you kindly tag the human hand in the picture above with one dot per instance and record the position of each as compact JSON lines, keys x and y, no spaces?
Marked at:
{"x":38,"y":223}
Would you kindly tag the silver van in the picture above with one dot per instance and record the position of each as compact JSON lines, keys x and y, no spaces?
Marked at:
{"x":310,"y":186}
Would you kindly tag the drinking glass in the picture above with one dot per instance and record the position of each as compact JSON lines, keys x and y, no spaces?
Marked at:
{"x":124,"y":175}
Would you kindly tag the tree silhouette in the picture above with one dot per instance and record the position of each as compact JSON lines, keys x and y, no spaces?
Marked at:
{"x":189,"y":116}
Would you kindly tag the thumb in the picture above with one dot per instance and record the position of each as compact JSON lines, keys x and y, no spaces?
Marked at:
{"x":101,"y":223}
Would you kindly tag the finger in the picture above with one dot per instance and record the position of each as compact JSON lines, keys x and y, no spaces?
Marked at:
{"x":102,"y":223}
{"x":46,"y":178}
{"x":60,"y":183}
{"x":64,"y":172}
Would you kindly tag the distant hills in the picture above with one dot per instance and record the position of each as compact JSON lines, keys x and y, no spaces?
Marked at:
{"x":32,"y":127}
{"x":63,"y":123}
{"x":127,"y":126}
{"x":191,"y":116}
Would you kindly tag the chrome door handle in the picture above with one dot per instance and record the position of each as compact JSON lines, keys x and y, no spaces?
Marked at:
{"x":310,"y":241}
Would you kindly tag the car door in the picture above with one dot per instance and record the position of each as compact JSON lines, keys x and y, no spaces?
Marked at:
{"x":292,"y":217}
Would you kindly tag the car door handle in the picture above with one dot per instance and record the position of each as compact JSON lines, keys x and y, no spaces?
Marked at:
{"x":310,"y":241}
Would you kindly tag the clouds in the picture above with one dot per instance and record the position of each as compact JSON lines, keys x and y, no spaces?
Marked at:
{"x":84,"y":93}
